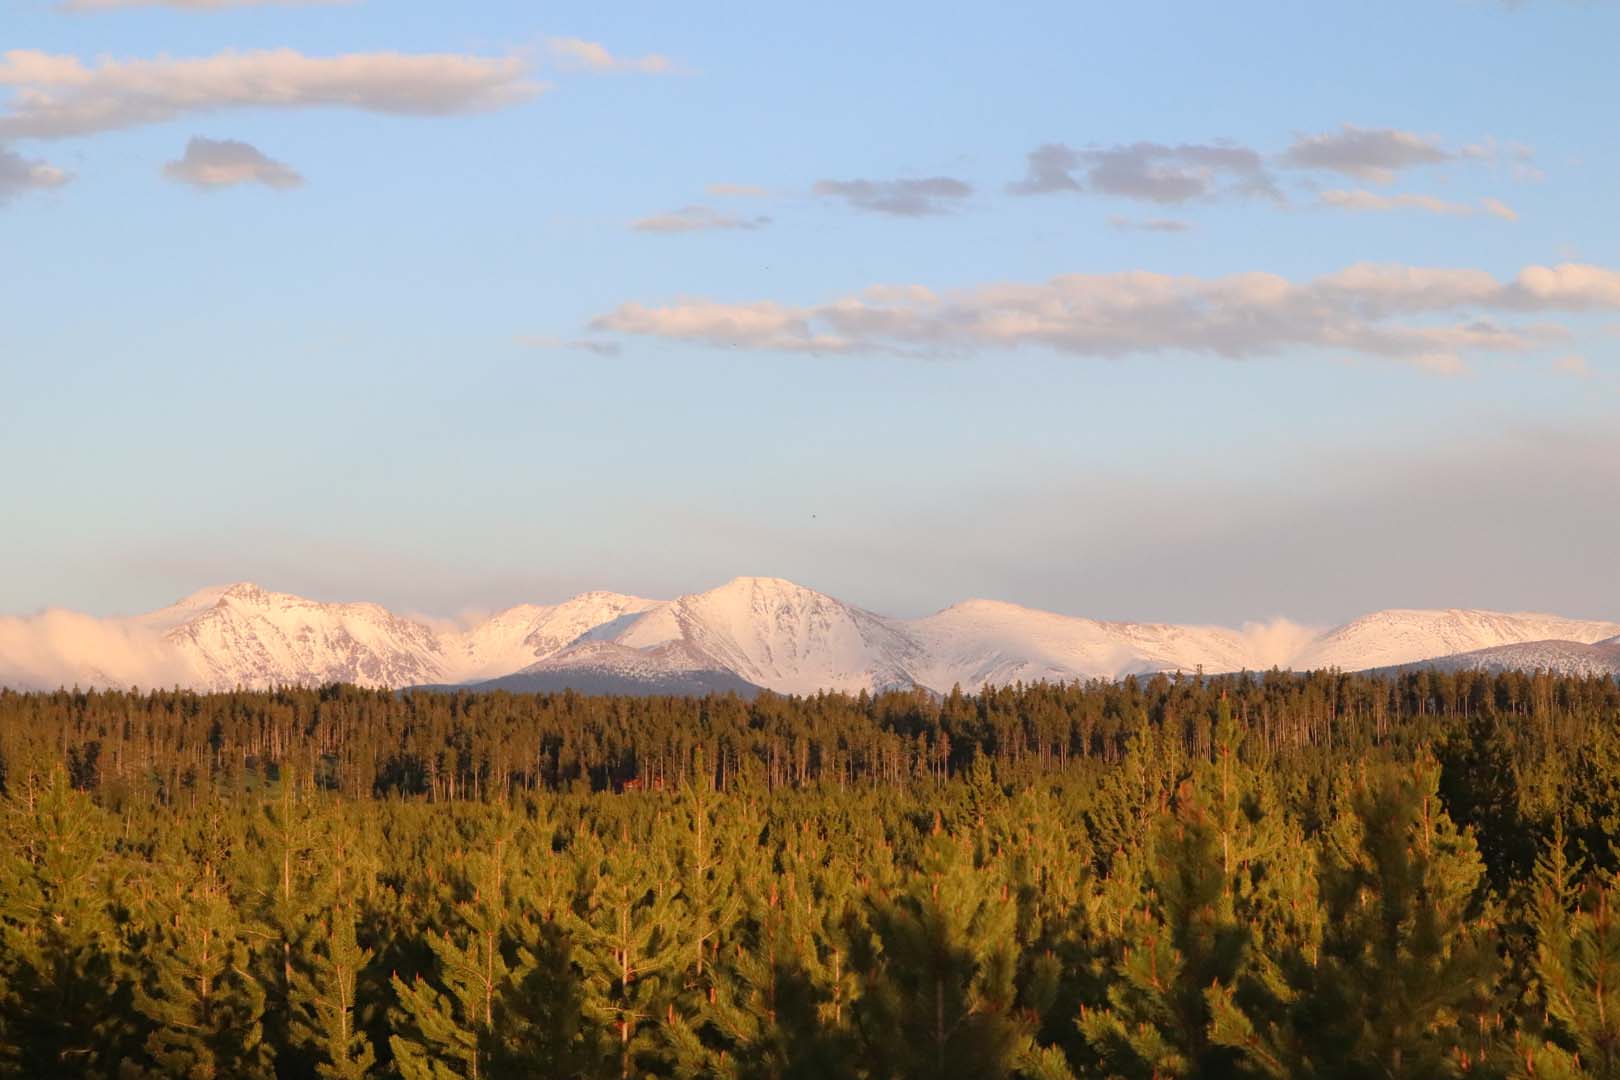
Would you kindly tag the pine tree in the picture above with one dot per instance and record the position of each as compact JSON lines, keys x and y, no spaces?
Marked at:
{"x":63,"y":1004}
{"x":324,"y":991}
{"x":1404,"y":984}
{"x":541,"y":1030}
{"x":1577,"y":970}
{"x":204,"y":1007}
{"x":628,"y":945}
{"x":1182,"y":940}
{"x":279,"y":866}
{"x":940,"y":998}
{"x":448,"y":1022}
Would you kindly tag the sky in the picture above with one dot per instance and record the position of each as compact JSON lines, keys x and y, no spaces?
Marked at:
{"x":1168,"y":311}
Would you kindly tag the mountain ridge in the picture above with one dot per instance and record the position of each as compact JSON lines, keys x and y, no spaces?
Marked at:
{"x":748,"y":633}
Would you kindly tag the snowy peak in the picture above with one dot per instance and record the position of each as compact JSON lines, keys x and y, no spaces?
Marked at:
{"x":986,"y":641}
{"x":783,"y":636}
{"x":251,"y":637}
{"x":523,"y":635}
{"x":1401,"y":636}
{"x":1565,"y":657}
{"x":749,"y":633}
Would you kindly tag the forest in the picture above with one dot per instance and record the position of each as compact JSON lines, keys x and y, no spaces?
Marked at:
{"x":1261,"y":875}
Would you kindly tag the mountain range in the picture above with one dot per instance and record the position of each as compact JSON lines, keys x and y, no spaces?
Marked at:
{"x":749,"y":634}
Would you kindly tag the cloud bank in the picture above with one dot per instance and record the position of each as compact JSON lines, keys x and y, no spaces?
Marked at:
{"x":1430,"y":317}
{"x":57,"y":96}
{"x":65,"y":648}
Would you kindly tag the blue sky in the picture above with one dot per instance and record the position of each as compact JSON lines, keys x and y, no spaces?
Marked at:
{"x":370,"y":383}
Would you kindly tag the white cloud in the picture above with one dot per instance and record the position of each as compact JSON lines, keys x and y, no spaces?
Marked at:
{"x":64,"y":648}
{"x":696,"y":219}
{"x":1372,"y":154}
{"x":1371,"y":201}
{"x":19,"y":175}
{"x":57,"y":96}
{"x":578,"y":54}
{"x":216,"y":163}
{"x":1433,"y":318}
{"x":1568,"y":287}
{"x":1148,"y":171}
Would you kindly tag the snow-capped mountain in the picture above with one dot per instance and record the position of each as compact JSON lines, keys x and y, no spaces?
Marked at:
{"x":245,"y":636}
{"x":1388,"y":638}
{"x":747,"y":634}
{"x":1565,"y":657}
{"x":987,"y":641}
{"x":520,"y":636}
{"x":783,"y":636}
{"x":604,"y":667}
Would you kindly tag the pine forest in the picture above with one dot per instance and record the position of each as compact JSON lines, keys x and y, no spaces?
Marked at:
{"x":1273,"y":875}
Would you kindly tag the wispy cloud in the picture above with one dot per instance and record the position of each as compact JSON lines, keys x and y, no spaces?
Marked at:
{"x":1373,"y":202}
{"x":1574,"y":365}
{"x":1148,"y":171}
{"x":193,"y":5}
{"x":57,"y":96}
{"x":1376,"y":155}
{"x":581,"y":55}
{"x":19,"y":175}
{"x":696,"y":219}
{"x":1379,"y":310}
{"x":900,"y":198}
{"x":217,"y":163}
{"x":595,"y":348}
{"x":737,"y":191}
{"x":1159,"y":225}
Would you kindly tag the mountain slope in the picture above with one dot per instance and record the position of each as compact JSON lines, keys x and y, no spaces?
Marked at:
{"x":520,"y":636}
{"x":783,"y":636}
{"x":748,"y":634}
{"x":985,"y":641}
{"x":1563,"y":657}
{"x":245,"y":636}
{"x":603,"y":667}
{"x":1398,"y":636}
{"x":242,"y":635}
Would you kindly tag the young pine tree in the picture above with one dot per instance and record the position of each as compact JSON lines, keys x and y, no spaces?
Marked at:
{"x":196,"y":992}
{"x":63,"y":1003}
{"x":448,"y":1022}
{"x":940,"y":998}
{"x":324,"y":992}
{"x":628,"y":942}
{"x":1577,"y":972}
{"x":1405,"y":980}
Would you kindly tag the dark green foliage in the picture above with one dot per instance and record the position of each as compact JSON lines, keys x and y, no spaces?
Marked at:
{"x":1274,"y":876}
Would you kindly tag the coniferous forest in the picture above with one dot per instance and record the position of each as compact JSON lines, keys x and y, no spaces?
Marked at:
{"x":1275,"y":876}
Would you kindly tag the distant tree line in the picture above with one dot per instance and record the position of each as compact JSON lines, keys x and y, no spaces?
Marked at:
{"x":1273,"y":875}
